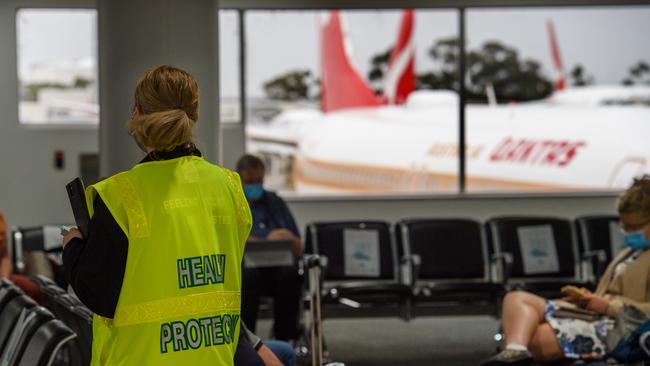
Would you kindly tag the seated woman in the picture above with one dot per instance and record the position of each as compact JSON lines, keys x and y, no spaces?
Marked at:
{"x":533,"y":333}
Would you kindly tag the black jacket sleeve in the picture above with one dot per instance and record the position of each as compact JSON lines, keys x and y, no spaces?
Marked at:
{"x":95,"y":267}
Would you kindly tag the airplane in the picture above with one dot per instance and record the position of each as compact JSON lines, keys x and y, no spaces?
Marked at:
{"x":592,"y":138}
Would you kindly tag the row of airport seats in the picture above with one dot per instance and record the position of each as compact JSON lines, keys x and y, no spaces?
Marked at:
{"x":30,"y":335}
{"x":455,"y":266}
{"x":74,"y":314}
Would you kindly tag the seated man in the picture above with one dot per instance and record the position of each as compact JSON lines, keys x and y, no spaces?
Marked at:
{"x":272,"y":220}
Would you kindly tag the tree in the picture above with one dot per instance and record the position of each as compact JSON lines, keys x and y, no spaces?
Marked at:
{"x":81,"y":82}
{"x":638,"y":74}
{"x":512,"y":78}
{"x":291,"y":86}
{"x":378,"y":68}
{"x":579,"y":76}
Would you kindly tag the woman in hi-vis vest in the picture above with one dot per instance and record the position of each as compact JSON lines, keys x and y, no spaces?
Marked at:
{"x":161,"y":267}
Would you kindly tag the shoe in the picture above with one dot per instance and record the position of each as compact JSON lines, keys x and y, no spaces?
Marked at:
{"x":510,"y":357}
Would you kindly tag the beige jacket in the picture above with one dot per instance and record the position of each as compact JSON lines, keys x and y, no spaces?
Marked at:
{"x":631,"y":286}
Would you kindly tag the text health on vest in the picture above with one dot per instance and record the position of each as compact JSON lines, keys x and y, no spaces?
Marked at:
{"x":201,"y":271}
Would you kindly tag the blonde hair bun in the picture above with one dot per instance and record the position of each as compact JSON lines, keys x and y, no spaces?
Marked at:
{"x":167,"y":99}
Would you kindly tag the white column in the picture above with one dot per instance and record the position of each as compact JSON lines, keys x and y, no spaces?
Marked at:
{"x":135,"y":35}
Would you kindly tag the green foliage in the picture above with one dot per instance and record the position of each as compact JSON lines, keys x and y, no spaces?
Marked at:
{"x":378,"y":68}
{"x":639,"y":73}
{"x":579,"y":77}
{"x":32,"y":90}
{"x":513,"y":78}
{"x":291,"y":86}
{"x":81,"y":83}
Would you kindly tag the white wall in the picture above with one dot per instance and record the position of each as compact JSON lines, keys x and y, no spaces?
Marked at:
{"x":232,"y":144}
{"x":31,"y":190}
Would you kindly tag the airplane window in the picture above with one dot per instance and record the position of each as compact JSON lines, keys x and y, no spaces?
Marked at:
{"x":57,"y":66}
{"x":353,"y":102}
{"x":558,"y":98}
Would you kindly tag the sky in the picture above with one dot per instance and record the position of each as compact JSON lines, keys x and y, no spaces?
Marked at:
{"x":605,"y":40}
{"x":54,"y":34}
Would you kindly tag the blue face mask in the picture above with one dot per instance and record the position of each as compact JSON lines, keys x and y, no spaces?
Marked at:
{"x":636,"y":240}
{"x":253,"y":191}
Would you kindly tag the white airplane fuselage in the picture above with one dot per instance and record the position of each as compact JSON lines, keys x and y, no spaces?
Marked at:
{"x":414,"y":148}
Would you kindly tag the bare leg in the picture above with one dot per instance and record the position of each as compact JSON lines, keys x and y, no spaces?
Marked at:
{"x":544,"y":345}
{"x":522,"y":312}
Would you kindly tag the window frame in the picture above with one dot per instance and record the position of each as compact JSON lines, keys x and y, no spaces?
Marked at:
{"x":461,"y":6}
{"x":50,"y":5}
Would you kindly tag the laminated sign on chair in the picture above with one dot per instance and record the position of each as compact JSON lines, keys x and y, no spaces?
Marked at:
{"x":538,"y":251}
{"x":361,"y":252}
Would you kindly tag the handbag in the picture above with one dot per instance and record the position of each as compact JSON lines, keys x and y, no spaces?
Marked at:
{"x":627,"y":320}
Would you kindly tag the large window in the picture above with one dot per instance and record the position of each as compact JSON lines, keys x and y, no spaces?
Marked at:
{"x":368,"y":102}
{"x":558,"y":99}
{"x":329,"y":105}
{"x":57,"y":66}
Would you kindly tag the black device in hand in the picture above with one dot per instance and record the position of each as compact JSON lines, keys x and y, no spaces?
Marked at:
{"x":77,"y":195}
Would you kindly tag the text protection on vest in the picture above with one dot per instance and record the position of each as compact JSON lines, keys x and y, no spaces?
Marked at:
{"x":206,"y":332}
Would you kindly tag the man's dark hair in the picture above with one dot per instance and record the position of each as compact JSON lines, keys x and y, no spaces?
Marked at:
{"x":248,"y":161}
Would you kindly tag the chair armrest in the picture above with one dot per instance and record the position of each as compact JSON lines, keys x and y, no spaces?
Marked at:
{"x":410,"y":266}
{"x":502,"y":261}
{"x":314,"y":260}
{"x":597,"y":260}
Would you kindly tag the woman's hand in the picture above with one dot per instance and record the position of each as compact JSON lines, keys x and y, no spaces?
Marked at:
{"x":74,"y":233}
{"x":595,"y":303}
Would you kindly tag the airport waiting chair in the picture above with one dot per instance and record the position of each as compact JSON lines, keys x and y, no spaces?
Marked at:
{"x":451,"y":272}
{"x":74,"y":314}
{"x":9,"y":316}
{"x":43,"y":282}
{"x":7,"y":292}
{"x":31,"y":247}
{"x":599,"y":238}
{"x":28,"y":322}
{"x":543,"y":250}
{"x":361,"y":270}
{"x":50,"y":289}
{"x":45,"y":344}
{"x":77,"y":317}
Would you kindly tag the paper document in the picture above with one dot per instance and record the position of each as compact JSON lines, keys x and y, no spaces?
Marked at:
{"x":538,"y":250}
{"x":361,"y":252}
{"x":52,"y":238}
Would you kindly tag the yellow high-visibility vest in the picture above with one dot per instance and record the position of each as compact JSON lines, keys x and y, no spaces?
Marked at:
{"x":187,"y":222}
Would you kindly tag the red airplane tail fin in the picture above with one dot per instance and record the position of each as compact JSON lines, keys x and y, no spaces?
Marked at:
{"x":560,"y":79}
{"x":400,"y":78}
{"x":341,"y":86}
